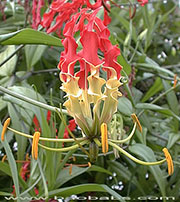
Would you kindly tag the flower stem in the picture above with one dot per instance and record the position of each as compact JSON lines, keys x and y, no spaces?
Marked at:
{"x":10,"y":56}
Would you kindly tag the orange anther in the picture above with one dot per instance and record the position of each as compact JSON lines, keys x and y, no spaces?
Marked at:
{"x":169,"y":161}
{"x":104,"y":138}
{"x":6,"y":124}
{"x":136,"y":120}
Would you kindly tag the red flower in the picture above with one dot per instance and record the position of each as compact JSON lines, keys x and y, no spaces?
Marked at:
{"x":24,"y":171}
{"x":36,"y":15}
{"x":142,"y":2}
{"x":71,"y":126}
{"x":62,"y":11}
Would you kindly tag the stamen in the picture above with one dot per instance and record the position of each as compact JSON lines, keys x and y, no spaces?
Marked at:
{"x":136,"y":120}
{"x":27,"y":157}
{"x":74,"y":158}
{"x":175,"y":81}
{"x":126,"y":139}
{"x":89,"y":164}
{"x":70,"y":169}
{"x":46,"y":139}
{"x":4,"y":158}
{"x":6,"y":124}
{"x":169,"y":161}
{"x":35,"y":145}
{"x":104,"y":138}
{"x":135,"y":159}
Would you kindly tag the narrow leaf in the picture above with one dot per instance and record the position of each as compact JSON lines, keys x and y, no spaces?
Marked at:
{"x":29,"y":36}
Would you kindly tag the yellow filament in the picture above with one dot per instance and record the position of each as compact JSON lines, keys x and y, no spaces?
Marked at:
{"x":70,"y":169}
{"x":136,"y":120}
{"x":135,"y":159}
{"x":27,"y":157}
{"x":35,"y":145}
{"x":104,"y":138}
{"x":126,"y":139}
{"x":4,"y":158}
{"x":6,"y":124}
{"x":175,"y":81}
{"x":89,"y":164}
{"x":169,"y":161}
{"x":46,"y":139}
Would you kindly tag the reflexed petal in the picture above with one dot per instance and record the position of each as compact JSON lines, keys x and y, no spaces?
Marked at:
{"x":90,"y":43}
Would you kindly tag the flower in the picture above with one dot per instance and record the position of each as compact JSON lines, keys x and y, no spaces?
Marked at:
{"x":61,"y":11}
{"x":142,"y":2}
{"x":36,"y":16}
{"x":84,"y":88}
{"x":71,"y":125}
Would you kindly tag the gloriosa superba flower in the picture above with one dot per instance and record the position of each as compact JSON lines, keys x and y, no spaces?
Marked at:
{"x":92,"y":92}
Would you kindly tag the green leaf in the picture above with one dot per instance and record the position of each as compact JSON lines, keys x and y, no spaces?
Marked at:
{"x":43,"y":178}
{"x":171,"y":98}
{"x":172,"y":102}
{"x":125,"y":106}
{"x":126,"y":66}
{"x":2,"y":104}
{"x":33,"y":54}
{"x":148,"y":106}
{"x":29,"y":36}
{"x":5,"y":168}
{"x":17,"y":114}
{"x":27,"y":92}
{"x":5,"y":193}
{"x":12,"y":164}
{"x":124,"y":173}
{"x":65,"y":192}
{"x":173,"y":138}
{"x":156,"y":68}
{"x":155,"y":88}
{"x":125,"y":23}
{"x":64,"y":175}
{"x":99,"y":169}
{"x":148,"y":155}
{"x":8,"y":67}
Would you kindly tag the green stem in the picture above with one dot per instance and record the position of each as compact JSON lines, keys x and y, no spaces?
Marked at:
{"x":10,"y":56}
{"x":97,"y":142}
{"x":31,"y":101}
{"x":126,"y":139}
{"x":64,"y":149}
{"x":160,"y":96}
{"x":135,"y":159}
{"x":46,"y":139}
{"x":166,"y":92}
{"x":134,"y":52}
